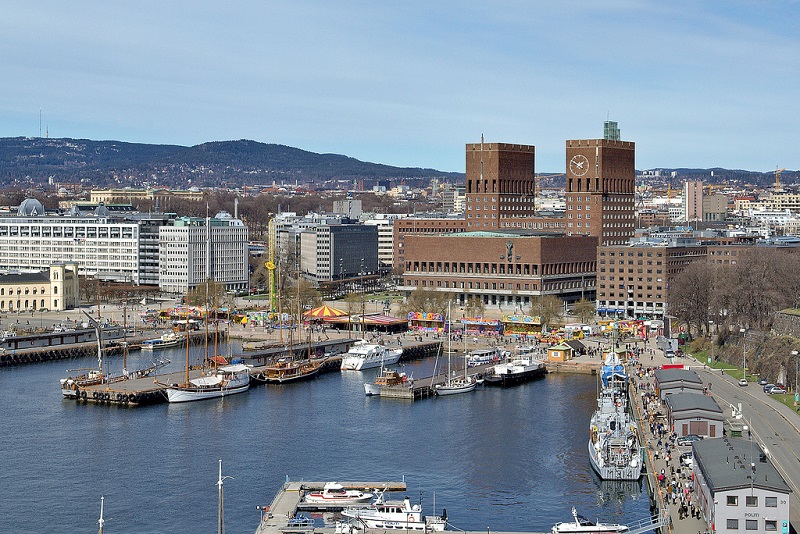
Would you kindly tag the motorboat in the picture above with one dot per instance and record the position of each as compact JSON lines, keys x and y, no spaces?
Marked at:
{"x":225,"y":380}
{"x":515,"y":371}
{"x":335,"y":493}
{"x":483,"y":357}
{"x":364,"y":355}
{"x":166,"y":341}
{"x":386,"y":378}
{"x":396,"y":515}
{"x":582,"y":525}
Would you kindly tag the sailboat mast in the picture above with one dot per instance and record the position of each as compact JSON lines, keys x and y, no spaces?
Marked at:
{"x":221,"y":503}
{"x":101,"y":521}
{"x":125,"y":335}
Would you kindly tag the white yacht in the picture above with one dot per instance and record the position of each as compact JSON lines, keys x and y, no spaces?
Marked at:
{"x":581,"y":525}
{"x":365,"y":355}
{"x":335,"y":493}
{"x":395,"y":515}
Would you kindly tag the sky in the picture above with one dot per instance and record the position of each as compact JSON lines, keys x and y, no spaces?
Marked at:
{"x":692,"y":83}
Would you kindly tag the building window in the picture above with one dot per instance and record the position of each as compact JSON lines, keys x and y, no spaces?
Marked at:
{"x":733,"y":500}
{"x":751,"y":500}
{"x":771,"y":502}
{"x":751,"y":524}
{"x":733,"y":524}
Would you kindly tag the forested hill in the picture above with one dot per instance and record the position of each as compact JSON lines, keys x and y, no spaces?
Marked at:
{"x":25,"y":160}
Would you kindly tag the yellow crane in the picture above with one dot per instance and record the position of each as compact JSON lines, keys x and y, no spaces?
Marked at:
{"x":778,"y":178}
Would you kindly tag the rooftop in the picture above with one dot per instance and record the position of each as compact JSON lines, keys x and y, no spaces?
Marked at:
{"x":726,"y":465}
{"x":677,"y":375}
{"x":692,"y":401}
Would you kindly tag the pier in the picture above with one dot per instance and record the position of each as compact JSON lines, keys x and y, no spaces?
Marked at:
{"x":288,"y":502}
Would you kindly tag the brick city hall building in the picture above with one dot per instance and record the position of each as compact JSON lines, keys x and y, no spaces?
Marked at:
{"x":507,"y":254}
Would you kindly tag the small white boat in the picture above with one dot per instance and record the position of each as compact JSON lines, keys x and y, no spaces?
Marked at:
{"x":483,"y":357}
{"x":363,"y":355}
{"x":581,"y":525}
{"x":396,"y":515}
{"x":335,"y":493}
{"x":168,"y":340}
{"x":226,"y":380}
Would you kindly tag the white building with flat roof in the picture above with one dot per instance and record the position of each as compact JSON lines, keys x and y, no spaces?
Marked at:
{"x":193,"y":250}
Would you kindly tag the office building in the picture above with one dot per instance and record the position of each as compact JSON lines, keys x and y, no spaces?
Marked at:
{"x":193,"y":250}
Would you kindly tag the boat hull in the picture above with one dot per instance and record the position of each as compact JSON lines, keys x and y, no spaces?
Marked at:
{"x":612,"y":472}
{"x":371,"y":389}
{"x":512,"y":379}
{"x":360,"y":362}
{"x":261,"y":378}
{"x":453,"y":389}
{"x":196,"y":394}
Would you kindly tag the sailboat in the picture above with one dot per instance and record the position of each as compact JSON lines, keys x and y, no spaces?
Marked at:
{"x":454,"y":386}
{"x":71,"y":387}
{"x":221,"y":381}
{"x":286,"y":369}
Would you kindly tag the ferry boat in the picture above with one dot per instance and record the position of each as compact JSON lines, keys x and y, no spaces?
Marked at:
{"x":515,"y":371}
{"x":335,"y":493}
{"x":581,"y":525}
{"x":364,"y":355}
{"x":225,"y":380}
{"x":166,"y":341}
{"x":396,"y":515}
{"x":483,"y":357}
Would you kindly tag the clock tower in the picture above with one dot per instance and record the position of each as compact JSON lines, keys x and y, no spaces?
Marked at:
{"x":600,"y":188}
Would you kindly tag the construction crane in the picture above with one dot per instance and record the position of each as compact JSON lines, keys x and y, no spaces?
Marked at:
{"x":778,"y":178}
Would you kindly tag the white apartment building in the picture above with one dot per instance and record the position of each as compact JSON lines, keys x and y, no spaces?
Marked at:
{"x":193,"y":250}
{"x":103,"y":246}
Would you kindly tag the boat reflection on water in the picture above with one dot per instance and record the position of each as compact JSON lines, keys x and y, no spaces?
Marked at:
{"x":617,"y":491}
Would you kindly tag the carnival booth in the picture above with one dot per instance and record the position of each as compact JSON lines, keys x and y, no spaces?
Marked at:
{"x":521,"y":326}
{"x":559,"y":353}
{"x":426,"y":322}
{"x":478,"y":326}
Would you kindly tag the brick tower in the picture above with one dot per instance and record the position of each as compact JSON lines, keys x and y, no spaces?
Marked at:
{"x":500,"y":184}
{"x":601,"y":182}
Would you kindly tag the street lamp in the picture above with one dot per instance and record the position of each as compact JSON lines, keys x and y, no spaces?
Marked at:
{"x":744,"y":352}
{"x":795,"y":353}
{"x":711,"y":339}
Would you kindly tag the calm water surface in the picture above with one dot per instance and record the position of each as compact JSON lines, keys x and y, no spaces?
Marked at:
{"x":509,"y":460}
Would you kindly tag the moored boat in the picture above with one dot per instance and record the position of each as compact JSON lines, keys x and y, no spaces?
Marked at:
{"x":483,"y":357}
{"x":396,"y":515}
{"x":225,"y":380}
{"x":515,"y":371}
{"x":335,"y":493}
{"x":364,"y":355}
{"x":582,"y":525}
{"x":166,"y":341}
{"x":386,"y":378}
{"x":286,"y":370}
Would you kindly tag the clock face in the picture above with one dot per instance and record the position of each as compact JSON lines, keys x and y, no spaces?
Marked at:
{"x":579,"y":165}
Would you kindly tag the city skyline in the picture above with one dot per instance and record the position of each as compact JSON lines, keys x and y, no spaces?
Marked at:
{"x":411,"y":84}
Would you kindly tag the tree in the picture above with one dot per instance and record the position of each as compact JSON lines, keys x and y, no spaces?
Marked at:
{"x":547,"y":308}
{"x":474,"y":306}
{"x":209,"y":293}
{"x":690,"y":295}
{"x":427,"y":300}
{"x":585,"y":310}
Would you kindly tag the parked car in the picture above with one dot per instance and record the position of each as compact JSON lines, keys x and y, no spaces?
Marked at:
{"x":688,"y":439}
{"x":762,"y":381}
{"x":743,"y":382}
{"x":768,"y":387}
{"x":687,"y":459}
{"x":776,"y":390}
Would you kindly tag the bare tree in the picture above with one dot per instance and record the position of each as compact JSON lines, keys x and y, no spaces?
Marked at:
{"x":690,"y":295}
{"x":547,"y":308}
{"x":585,"y":310}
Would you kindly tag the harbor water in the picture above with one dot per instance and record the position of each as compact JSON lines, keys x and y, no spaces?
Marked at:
{"x":500,"y":459}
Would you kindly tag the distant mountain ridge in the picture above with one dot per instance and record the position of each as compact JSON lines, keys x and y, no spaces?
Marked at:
{"x":28,"y":161}
{"x":25,"y":160}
